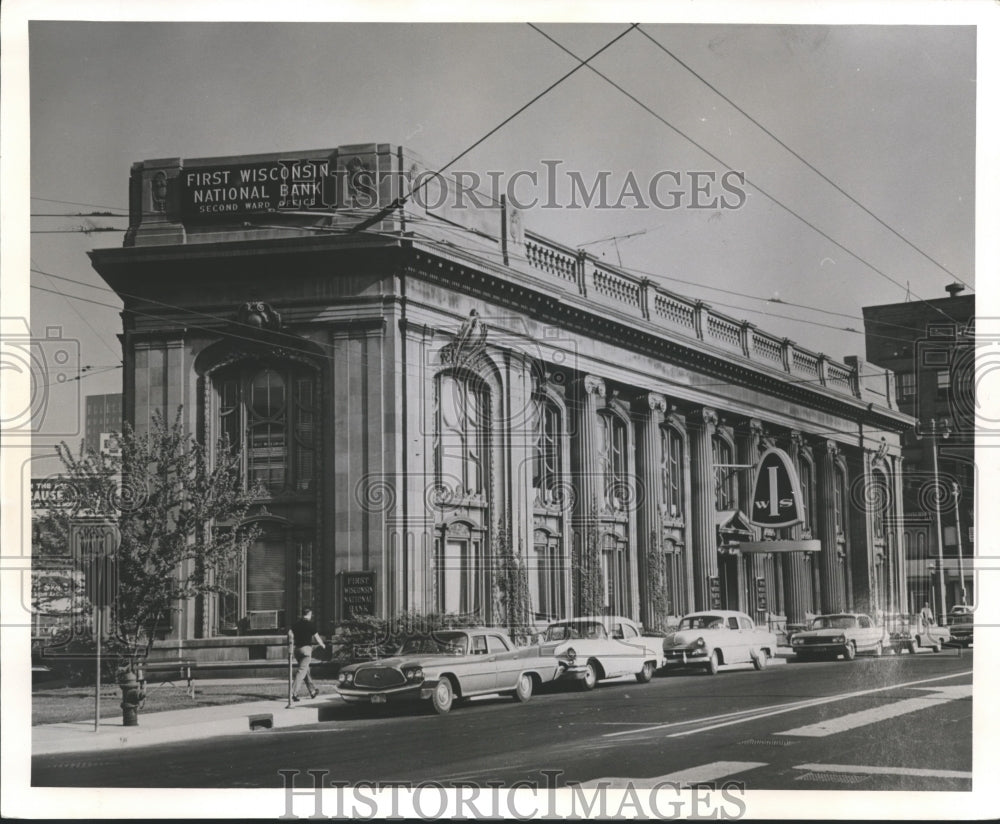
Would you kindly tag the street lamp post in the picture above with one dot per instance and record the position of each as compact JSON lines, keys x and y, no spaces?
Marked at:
{"x":944,"y":425}
{"x":958,"y":538}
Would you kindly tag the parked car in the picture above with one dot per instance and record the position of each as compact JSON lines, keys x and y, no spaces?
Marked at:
{"x":907,"y":632}
{"x":446,"y":665}
{"x":594,"y":648}
{"x":960,"y":621}
{"x":715,"y":637}
{"x":844,"y":634}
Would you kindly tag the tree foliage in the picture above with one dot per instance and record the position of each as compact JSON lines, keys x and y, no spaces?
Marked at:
{"x":180,"y":513}
{"x":512,"y":595}
{"x":588,"y":577}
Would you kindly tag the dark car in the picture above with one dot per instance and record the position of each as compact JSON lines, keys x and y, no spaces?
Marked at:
{"x":448,"y":664}
{"x":961,"y":627}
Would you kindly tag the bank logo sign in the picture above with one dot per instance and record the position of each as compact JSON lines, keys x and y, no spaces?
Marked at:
{"x":777,"y":496}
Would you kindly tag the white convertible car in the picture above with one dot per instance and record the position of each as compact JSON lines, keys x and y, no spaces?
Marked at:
{"x":591,"y":649}
{"x":716,"y":637}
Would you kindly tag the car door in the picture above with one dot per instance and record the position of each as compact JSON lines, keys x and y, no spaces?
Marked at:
{"x":734,"y":641}
{"x":508,"y":662}
{"x":480,"y":670}
{"x":867,"y":633}
{"x":749,"y":638}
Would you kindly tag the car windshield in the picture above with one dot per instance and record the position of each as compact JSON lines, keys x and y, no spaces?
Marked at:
{"x":441,"y":643}
{"x":575,"y":629}
{"x":702,"y":622}
{"x":835,"y":622}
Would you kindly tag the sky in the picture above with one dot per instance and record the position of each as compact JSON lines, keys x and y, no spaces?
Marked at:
{"x":885,"y":112}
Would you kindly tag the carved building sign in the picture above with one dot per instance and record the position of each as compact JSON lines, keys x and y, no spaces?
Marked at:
{"x":357,"y":593}
{"x":239,"y":189}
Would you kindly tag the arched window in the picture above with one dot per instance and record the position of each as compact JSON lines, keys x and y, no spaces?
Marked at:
{"x":672,"y":470}
{"x":615,"y":569}
{"x":725,"y":474}
{"x":268,"y":411}
{"x":550,"y":602}
{"x":806,"y":487}
{"x":547,"y":465}
{"x":880,"y":503}
{"x":614,"y":461}
{"x":463,"y":433}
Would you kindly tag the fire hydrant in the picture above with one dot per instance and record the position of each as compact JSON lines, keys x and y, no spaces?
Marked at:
{"x":132,"y":698}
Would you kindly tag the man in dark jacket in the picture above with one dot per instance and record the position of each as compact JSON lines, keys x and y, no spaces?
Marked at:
{"x":304,"y":635}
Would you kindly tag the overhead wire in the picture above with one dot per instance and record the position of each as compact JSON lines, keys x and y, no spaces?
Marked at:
{"x":725,"y":165}
{"x":799,"y":157}
{"x":398,"y":201}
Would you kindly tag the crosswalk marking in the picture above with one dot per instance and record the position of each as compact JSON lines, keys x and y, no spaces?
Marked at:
{"x":692,"y":775}
{"x":754,"y":714}
{"x":863,"y":718}
{"x":914,"y":771}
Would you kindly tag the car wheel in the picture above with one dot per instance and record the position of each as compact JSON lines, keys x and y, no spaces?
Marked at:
{"x":525,"y":686}
{"x":936,"y":646}
{"x":645,"y":675}
{"x":589,"y":680}
{"x":911,"y":648}
{"x":712,"y":667}
{"x":851,"y":652}
{"x":760,"y":659}
{"x":443,"y":697}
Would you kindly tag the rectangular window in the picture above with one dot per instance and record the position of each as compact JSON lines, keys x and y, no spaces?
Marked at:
{"x":906,"y":386}
{"x":943,"y":384}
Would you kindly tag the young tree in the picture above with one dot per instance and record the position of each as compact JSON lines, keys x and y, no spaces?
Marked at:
{"x":180,"y":512}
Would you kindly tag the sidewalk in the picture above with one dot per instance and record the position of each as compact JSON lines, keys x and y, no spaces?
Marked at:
{"x":199,"y":722}
{"x":179,"y":725}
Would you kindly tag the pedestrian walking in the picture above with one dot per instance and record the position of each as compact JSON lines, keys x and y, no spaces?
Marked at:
{"x":304,"y":636}
{"x":926,"y":617}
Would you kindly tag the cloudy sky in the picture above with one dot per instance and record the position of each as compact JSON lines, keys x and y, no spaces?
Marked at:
{"x":886,"y":112}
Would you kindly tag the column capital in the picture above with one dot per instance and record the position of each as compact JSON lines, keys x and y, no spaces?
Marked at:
{"x":832,"y":449}
{"x":655,"y":401}
{"x":593,"y":385}
{"x":705,"y":416}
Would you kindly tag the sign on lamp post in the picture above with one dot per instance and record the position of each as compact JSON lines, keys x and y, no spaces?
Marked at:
{"x":94,"y":542}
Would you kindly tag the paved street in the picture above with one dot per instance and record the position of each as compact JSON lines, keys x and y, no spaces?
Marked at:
{"x":895,"y":723}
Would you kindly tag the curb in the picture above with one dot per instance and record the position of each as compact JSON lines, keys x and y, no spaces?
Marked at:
{"x":160,"y":728}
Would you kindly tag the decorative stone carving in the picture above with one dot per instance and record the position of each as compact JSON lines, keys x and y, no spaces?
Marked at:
{"x":593,"y":385}
{"x":158,"y":191}
{"x":469,"y":343}
{"x":259,"y":315}
{"x":655,"y":402}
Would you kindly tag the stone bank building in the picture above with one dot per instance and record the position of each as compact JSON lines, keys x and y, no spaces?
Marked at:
{"x":423,"y":389}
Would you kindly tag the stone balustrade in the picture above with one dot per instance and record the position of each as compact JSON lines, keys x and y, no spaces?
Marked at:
{"x":612,"y":287}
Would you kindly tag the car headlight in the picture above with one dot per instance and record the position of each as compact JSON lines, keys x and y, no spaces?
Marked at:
{"x":798,"y":640}
{"x":571,"y":655}
{"x":700,"y":642}
{"x":413,"y":673}
{"x":346,"y":678}
{"x":839,"y":639}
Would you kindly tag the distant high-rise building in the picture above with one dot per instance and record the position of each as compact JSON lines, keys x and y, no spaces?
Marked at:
{"x":103,"y":414}
{"x":930,"y":345}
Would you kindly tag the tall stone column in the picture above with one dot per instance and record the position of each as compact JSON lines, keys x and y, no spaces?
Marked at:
{"x":797,"y":578}
{"x":587,"y":476}
{"x":748,"y":448}
{"x":832,"y":554}
{"x":705,"y":550}
{"x":650,"y":497}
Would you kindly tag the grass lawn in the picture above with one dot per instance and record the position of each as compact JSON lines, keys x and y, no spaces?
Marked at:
{"x":51,"y":706}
